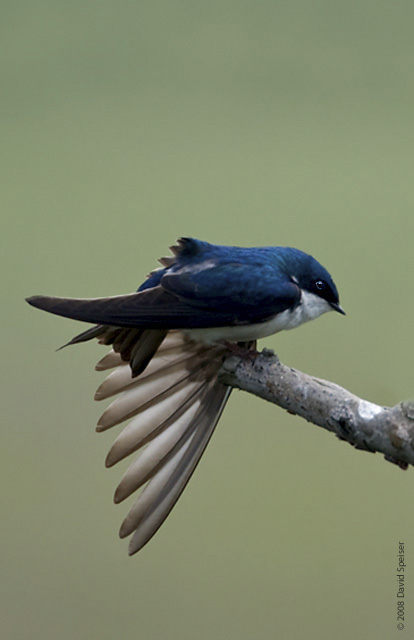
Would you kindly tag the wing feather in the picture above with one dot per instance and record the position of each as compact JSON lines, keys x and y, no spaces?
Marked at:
{"x":149,"y":515}
{"x":153,"y":308}
{"x":172,"y":408}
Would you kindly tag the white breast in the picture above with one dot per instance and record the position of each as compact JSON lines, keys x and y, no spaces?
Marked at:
{"x":310,"y":307}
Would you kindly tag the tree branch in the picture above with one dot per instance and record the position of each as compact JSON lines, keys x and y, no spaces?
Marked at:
{"x":367,"y":426}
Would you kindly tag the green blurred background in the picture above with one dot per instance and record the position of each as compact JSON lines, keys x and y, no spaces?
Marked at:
{"x":126,"y":125}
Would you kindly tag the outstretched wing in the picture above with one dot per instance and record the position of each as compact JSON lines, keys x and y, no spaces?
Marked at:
{"x":173,"y":408}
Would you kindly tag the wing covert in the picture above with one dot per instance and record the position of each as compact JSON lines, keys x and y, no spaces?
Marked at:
{"x":252,"y":292}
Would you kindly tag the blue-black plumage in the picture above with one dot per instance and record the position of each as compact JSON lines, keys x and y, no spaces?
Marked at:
{"x":207,"y":285}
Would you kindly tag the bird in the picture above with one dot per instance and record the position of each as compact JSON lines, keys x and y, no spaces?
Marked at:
{"x":168,"y":341}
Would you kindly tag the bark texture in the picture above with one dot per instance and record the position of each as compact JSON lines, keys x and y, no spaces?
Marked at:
{"x":365,"y":425}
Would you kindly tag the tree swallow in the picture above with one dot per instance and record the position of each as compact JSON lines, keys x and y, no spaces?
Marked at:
{"x":168,"y":342}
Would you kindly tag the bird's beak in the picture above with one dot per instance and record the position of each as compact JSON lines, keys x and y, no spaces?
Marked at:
{"x":337,"y":307}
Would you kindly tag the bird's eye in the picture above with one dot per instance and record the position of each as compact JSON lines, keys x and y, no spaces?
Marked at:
{"x":320,"y":285}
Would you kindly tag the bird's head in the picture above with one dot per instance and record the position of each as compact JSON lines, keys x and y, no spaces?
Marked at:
{"x":319,"y":292}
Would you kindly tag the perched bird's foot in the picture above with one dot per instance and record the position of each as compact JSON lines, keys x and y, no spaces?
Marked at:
{"x":245,"y":350}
